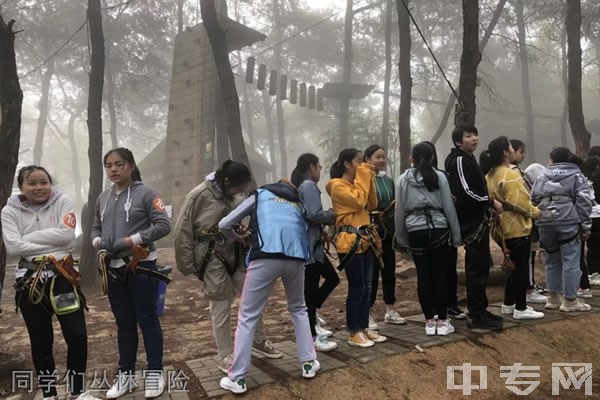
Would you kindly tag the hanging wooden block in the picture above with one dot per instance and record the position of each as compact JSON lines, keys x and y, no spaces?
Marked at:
{"x":283,"y":87}
{"x":294,"y":91}
{"x":262,"y":77}
{"x":311,"y":97}
{"x":250,"y":63}
{"x":273,"y":83}
{"x":303,"y":94}
{"x":320,"y":100}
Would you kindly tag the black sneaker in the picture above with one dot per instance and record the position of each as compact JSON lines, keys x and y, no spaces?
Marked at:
{"x":484,"y":322}
{"x":456,"y":313}
{"x":493,"y":317}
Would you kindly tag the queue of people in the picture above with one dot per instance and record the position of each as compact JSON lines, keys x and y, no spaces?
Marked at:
{"x":241,"y":246}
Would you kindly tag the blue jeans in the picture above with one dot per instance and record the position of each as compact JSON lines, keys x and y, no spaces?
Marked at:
{"x":133,"y":302}
{"x":359,"y":272}
{"x":561,"y":260}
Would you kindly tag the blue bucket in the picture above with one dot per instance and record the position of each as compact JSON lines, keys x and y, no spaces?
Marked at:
{"x":162,"y":291}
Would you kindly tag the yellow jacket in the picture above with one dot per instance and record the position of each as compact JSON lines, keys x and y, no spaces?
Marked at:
{"x":352,"y":202}
{"x":508,"y":187}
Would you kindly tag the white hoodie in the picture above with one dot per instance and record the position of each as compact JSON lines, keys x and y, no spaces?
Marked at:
{"x":48,"y":231}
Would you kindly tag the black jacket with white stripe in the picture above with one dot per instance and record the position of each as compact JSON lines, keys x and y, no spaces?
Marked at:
{"x":468,"y":186}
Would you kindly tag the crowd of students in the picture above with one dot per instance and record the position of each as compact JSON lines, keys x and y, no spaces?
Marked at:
{"x":241,"y":246}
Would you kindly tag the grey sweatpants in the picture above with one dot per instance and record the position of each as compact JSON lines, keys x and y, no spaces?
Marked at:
{"x":220,"y":314}
{"x":261,"y":276}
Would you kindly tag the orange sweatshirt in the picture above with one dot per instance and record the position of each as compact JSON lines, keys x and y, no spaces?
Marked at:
{"x":352,"y":202}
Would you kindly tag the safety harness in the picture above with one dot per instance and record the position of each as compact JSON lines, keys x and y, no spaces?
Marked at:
{"x":384,"y":219}
{"x":560,"y":198}
{"x":433,"y":243}
{"x":214,"y":237}
{"x":369,"y":234}
{"x":121,"y":275}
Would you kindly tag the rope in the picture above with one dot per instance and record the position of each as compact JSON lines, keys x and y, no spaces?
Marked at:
{"x":433,"y":55}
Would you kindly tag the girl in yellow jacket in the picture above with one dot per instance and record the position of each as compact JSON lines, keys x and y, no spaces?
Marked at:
{"x":508,"y":187}
{"x":353,"y":195}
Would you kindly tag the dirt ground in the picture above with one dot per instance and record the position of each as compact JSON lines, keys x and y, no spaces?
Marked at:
{"x":188,"y":335}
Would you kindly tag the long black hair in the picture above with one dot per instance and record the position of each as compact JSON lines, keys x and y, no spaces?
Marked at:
{"x":496,"y":150}
{"x":434,"y":161}
{"x":485,"y":162}
{"x":422,"y":155}
{"x":338,"y":168}
{"x":126,"y":155}
{"x":237,"y":174}
{"x":564,"y":155}
{"x":305,"y":161}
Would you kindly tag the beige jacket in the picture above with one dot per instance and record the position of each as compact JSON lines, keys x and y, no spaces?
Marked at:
{"x":201,"y":212}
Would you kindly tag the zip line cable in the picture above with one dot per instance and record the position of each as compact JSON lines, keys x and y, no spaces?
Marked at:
{"x":57,"y":50}
{"x":433,"y":55}
{"x":299,"y":32}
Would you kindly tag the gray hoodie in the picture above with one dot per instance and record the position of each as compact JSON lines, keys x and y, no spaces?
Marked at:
{"x":137,"y":212}
{"x":310,"y":198}
{"x":563,"y":195}
{"x":411,"y":194}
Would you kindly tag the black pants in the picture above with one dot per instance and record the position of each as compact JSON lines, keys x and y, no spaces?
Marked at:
{"x":452,"y":277}
{"x":593,"y":246}
{"x":432,"y":285}
{"x":477,"y":271}
{"x":584,"y":281}
{"x":314,"y":294}
{"x":38,"y":319}
{"x":388,"y":273}
{"x":517,"y":281}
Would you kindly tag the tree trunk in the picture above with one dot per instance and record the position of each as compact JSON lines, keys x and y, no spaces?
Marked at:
{"x":469,"y":61}
{"x":43,"y":106}
{"x":565,"y":86}
{"x":179,"y":16}
{"x":94,"y":123}
{"x":74,"y":156}
{"x":484,"y":41}
{"x":347,"y":76}
{"x":524,"y":58}
{"x":110,"y":98}
{"x":580,"y":133}
{"x":278,"y":104}
{"x":405,"y":87}
{"x":270,"y":134}
{"x":11,"y":100}
{"x":216,"y":36}
{"x":385,"y":125}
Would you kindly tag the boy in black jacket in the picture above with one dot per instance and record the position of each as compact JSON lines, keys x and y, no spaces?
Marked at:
{"x":468,"y":186}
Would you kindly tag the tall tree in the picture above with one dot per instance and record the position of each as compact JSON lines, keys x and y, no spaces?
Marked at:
{"x":564,"y":74}
{"x":469,"y":61}
{"x":405,"y":85}
{"x":216,"y":36}
{"x":347,"y":75}
{"x":43,"y":106}
{"x":385,"y":126}
{"x":266,"y":100}
{"x":278,"y":104}
{"x":524,"y":60}
{"x":110,"y":97}
{"x":484,"y":41}
{"x":180,"y":16}
{"x":11,"y":100}
{"x":579,"y":131}
{"x":94,"y":123}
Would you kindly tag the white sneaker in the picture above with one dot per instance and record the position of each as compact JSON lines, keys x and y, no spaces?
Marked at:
{"x":125,"y":383}
{"x":234,"y":387}
{"x":372,"y":324}
{"x":536,"y":297}
{"x":49,"y":398}
{"x":595,"y":280}
{"x":574,"y":305}
{"x":393,"y":317}
{"x":324,"y":345}
{"x":323,"y":332}
{"x":310,"y":368}
{"x":154,"y":383}
{"x":584,"y":293}
{"x":507,"y":310}
{"x":528,"y":313}
{"x":444,"y":327}
{"x":320,"y":320}
{"x":84,"y":396}
{"x":430,"y":327}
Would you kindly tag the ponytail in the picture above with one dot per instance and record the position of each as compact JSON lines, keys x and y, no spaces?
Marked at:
{"x":338,"y":168}
{"x":422,"y":155}
{"x":305,"y":161}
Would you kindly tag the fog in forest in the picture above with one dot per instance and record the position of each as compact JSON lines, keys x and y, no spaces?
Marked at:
{"x":305,"y":41}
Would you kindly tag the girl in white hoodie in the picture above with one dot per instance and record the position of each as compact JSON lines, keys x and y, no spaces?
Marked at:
{"x":40,"y":222}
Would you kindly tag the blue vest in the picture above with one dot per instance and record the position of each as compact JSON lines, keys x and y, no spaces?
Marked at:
{"x":278,"y":229}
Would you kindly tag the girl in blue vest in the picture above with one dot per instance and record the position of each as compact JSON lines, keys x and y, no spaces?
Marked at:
{"x":305,"y":177}
{"x":279,"y":248}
